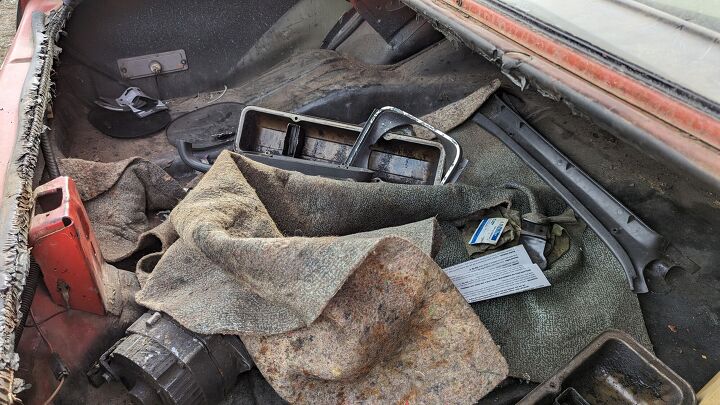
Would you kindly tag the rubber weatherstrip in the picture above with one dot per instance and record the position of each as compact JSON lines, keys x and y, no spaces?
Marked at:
{"x":17,"y":204}
{"x":653,"y":79}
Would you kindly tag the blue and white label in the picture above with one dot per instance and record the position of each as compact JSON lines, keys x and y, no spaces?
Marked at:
{"x":489,"y":231}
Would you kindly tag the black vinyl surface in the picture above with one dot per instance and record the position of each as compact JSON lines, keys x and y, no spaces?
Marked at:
{"x":214,"y":34}
{"x":126,"y":125}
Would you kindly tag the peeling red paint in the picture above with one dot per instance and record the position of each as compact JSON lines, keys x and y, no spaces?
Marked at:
{"x":12,"y":78}
{"x":653,"y":101}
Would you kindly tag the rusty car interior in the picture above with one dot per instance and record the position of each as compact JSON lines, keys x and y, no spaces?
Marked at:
{"x":330,"y":201}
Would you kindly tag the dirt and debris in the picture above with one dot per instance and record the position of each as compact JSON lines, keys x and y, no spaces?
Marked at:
{"x":274,"y":219}
{"x":8,"y":12}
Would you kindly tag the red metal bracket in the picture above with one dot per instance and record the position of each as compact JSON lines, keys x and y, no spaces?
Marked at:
{"x":64,"y":245}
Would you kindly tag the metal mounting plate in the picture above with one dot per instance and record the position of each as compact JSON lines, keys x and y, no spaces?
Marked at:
{"x":142,"y":66}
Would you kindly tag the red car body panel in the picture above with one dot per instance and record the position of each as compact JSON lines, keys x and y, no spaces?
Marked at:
{"x":12,"y":79}
{"x":662,"y":106}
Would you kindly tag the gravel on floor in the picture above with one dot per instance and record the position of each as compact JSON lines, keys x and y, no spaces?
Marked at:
{"x":8,"y":11}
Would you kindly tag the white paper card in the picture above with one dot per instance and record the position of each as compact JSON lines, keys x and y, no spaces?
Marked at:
{"x":489,"y":231}
{"x":507,"y":272}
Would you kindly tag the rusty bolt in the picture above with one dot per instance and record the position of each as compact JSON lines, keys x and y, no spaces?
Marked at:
{"x":155,"y":67}
{"x":154,"y":318}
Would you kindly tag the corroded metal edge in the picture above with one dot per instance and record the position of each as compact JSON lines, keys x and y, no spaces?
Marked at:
{"x":17,"y":202}
{"x":527,"y":58}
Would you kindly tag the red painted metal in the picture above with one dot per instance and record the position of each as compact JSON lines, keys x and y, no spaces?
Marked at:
{"x":64,"y":245}
{"x":78,"y":337}
{"x":700,"y":125}
{"x":21,"y":6}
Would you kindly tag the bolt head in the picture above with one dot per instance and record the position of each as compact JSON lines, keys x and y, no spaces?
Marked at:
{"x":155,"y":67}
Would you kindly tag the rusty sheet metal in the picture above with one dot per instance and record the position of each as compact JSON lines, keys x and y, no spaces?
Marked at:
{"x":678,"y":133}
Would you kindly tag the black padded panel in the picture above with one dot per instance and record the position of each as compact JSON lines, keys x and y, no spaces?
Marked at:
{"x":215,"y":34}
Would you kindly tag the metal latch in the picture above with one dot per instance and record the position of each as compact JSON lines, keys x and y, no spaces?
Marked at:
{"x":152,"y":65}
